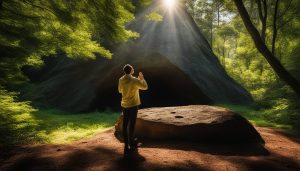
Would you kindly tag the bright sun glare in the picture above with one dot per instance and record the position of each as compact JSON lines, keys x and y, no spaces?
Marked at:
{"x":169,"y":3}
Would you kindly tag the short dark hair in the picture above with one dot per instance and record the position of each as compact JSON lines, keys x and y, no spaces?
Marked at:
{"x":127,"y":69}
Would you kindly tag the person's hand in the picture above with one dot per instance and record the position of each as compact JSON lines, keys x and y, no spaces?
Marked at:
{"x":141,"y":76}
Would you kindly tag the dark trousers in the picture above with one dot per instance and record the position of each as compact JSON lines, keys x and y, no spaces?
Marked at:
{"x":129,"y":118}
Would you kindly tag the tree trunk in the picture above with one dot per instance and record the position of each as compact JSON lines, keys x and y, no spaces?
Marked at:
{"x":275,"y":27}
{"x":224,"y":40}
{"x":282,"y":73}
{"x":228,"y":53}
{"x":211,"y":36}
{"x":1,"y":3}
{"x":263,"y":18}
{"x":218,"y":9}
{"x":211,"y":29}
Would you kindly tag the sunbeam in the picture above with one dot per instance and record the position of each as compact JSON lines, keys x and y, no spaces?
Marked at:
{"x":169,"y":3}
{"x":164,"y":50}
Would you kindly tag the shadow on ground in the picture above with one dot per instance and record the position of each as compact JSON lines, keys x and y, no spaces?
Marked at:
{"x":105,"y":152}
{"x":71,"y":158}
{"x":213,"y":148}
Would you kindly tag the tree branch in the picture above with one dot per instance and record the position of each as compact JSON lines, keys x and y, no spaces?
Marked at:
{"x":275,"y":27}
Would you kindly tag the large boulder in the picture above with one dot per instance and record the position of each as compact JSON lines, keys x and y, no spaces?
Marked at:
{"x":195,"y":122}
{"x":177,"y":61}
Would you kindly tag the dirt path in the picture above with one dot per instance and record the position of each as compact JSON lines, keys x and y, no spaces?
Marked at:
{"x":104,"y":152}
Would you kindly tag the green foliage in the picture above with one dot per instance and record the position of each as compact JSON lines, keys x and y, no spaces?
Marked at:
{"x":233,"y":45}
{"x":30,"y":30}
{"x":16,"y":121}
{"x":55,"y":126}
{"x":21,"y":124}
{"x":255,"y":116}
{"x":140,"y":3}
{"x":154,"y":16}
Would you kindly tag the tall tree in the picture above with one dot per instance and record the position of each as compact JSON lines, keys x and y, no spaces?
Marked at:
{"x":263,"y":49}
{"x":226,"y":32}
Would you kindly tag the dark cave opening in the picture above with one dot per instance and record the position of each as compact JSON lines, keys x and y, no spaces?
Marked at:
{"x":168,"y":86}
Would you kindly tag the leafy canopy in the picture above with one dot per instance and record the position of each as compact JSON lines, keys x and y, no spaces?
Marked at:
{"x":30,"y":30}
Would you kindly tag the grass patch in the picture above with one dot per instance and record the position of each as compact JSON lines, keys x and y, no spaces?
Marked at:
{"x":54,"y":126}
{"x":58,"y":127}
{"x":255,"y":116}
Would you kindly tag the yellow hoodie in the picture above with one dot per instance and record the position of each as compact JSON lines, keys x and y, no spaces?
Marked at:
{"x":129,"y":87}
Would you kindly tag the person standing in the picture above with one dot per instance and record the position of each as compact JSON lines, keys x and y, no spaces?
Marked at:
{"x":129,"y":87}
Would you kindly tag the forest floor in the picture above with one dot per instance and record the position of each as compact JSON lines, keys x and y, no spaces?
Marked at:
{"x":105,"y":152}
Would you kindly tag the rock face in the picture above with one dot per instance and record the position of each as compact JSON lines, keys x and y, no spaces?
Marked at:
{"x":93,"y":85}
{"x":195,"y":122}
{"x":174,"y":56}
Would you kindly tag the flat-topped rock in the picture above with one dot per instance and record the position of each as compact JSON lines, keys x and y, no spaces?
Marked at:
{"x":195,"y":122}
{"x":186,"y":115}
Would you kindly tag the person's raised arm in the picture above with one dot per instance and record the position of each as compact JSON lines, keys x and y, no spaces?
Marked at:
{"x":141,"y":82}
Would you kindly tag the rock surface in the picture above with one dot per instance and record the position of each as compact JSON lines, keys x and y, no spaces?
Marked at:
{"x":195,"y":122}
{"x":176,"y":59}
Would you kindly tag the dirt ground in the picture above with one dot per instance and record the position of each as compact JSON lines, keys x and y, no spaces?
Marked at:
{"x":104,"y":152}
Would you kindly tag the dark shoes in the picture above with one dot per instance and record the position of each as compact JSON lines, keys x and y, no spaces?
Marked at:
{"x":132,"y":149}
{"x":126,"y":151}
{"x":134,"y":145}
